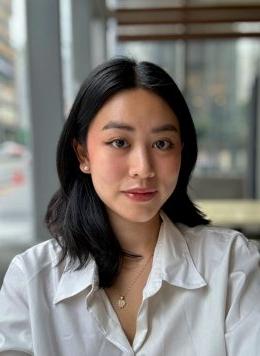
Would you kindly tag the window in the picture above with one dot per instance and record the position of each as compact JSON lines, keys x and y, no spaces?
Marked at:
{"x":15,"y":136}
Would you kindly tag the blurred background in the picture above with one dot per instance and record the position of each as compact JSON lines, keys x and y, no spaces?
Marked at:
{"x":47,"y":48}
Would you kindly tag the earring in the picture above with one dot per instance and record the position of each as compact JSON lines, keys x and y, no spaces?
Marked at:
{"x":86,"y":168}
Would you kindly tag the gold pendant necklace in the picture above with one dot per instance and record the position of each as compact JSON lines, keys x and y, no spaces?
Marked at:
{"x":121,"y":303}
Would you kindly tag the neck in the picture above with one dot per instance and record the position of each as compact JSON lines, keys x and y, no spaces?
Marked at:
{"x":137,"y":238}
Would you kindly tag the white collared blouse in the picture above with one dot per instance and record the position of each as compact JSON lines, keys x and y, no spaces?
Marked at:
{"x":202,"y":298}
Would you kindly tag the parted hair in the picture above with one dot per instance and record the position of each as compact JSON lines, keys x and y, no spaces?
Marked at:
{"x":76,"y":217}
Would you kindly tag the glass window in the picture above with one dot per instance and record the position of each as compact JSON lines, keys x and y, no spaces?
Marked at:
{"x":220,"y":79}
{"x":15,"y":135}
{"x":220,"y":86}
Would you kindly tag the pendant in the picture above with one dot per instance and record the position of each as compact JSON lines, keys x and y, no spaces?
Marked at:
{"x":121,"y":302}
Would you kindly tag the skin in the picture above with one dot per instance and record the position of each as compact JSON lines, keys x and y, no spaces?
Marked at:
{"x":120,"y":159}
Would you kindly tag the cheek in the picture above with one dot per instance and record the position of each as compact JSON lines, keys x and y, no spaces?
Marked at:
{"x":102,"y":164}
{"x":173,"y":178}
{"x":171,"y":167}
{"x":169,"y":172}
{"x":105,"y":167}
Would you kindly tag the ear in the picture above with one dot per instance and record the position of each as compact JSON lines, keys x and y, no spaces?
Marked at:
{"x":82,"y":155}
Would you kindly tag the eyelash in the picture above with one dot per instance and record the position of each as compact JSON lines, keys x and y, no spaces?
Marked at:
{"x":170,"y":144}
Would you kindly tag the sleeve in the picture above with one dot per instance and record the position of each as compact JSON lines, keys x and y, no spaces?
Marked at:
{"x":15,"y":333}
{"x":243,"y":307}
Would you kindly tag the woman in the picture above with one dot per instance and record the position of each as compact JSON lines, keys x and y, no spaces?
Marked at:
{"x":134,"y":267}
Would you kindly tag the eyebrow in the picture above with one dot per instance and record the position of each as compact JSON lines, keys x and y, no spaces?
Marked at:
{"x":121,"y":126}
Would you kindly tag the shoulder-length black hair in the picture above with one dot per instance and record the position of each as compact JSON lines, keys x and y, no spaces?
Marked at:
{"x":76,"y":216}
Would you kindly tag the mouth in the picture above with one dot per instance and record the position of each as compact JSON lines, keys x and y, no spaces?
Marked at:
{"x":141,"y":191}
{"x":141,"y":194}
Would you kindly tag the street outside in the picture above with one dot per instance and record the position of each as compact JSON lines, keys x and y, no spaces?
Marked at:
{"x":16,"y":212}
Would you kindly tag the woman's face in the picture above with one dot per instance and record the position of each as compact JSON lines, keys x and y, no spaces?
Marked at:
{"x":134,"y":144}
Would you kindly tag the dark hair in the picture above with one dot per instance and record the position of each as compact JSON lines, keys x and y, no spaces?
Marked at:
{"x":76,"y":217}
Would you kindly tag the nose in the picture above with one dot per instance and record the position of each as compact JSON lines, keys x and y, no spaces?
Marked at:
{"x":141,"y":164}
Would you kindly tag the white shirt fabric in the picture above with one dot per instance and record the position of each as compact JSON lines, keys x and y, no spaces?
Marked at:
{"x":202,"y":298}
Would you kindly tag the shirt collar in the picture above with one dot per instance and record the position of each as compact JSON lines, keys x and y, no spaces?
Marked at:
{"x":172,"y":262}
{"x":73,"y":282}
{"x":172,"y":259}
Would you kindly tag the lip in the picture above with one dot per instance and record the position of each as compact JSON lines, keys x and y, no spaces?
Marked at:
{"x":140,"y":190}
{"x":140,"y":194}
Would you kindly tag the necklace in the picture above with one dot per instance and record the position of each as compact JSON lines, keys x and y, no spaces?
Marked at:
{"x":121,"y":303}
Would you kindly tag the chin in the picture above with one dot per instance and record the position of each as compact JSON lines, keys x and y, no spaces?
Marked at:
{"x":137,"y":216}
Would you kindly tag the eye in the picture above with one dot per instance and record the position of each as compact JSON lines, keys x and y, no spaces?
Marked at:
{"x":163,"y":145}
{"x":118,"y":143}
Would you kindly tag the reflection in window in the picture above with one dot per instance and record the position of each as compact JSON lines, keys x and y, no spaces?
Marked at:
{"x":15,"y":153}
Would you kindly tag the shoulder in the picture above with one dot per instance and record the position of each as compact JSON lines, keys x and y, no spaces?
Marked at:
{"x":210,"y":244}
{"x":37,"y":259}
{"x":212,"y":236}
{"x":30,"y":279}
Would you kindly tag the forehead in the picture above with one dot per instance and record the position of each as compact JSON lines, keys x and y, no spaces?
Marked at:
{"x":136,"y":107}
